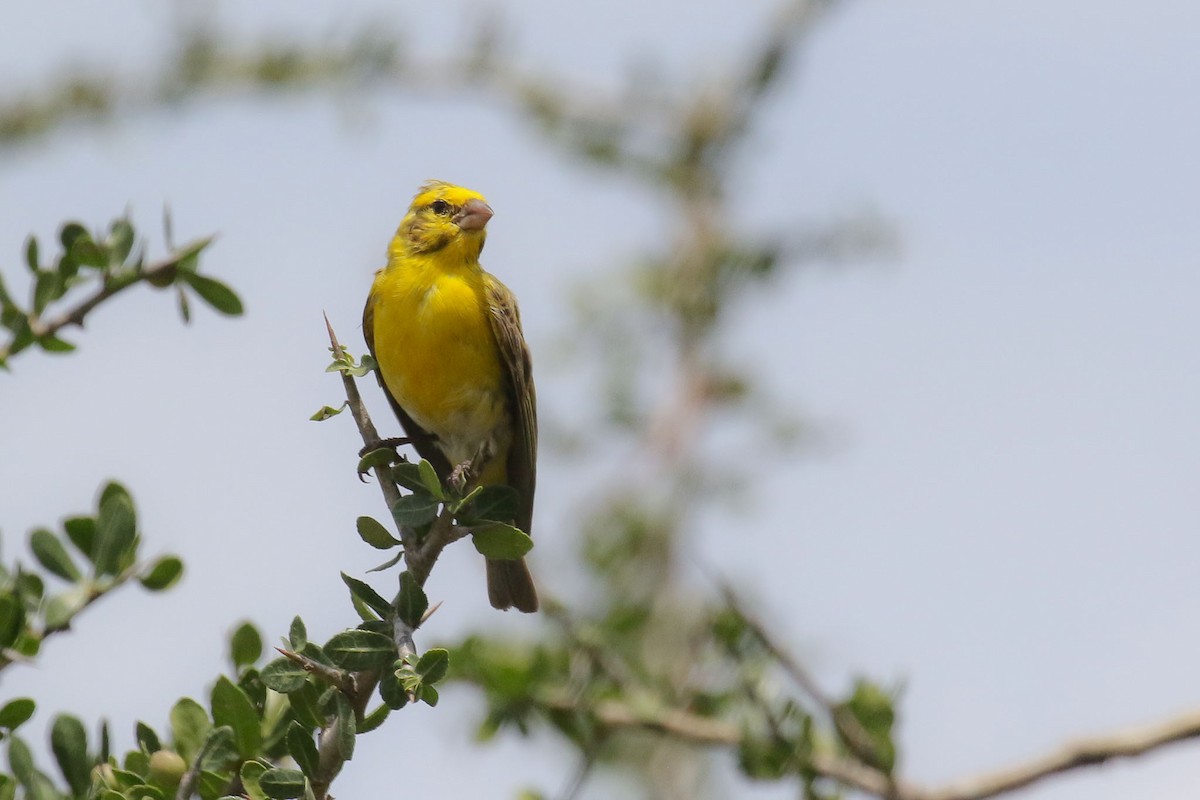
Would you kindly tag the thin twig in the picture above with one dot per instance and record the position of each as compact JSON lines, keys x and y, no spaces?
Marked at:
{"x":1093,"y":750}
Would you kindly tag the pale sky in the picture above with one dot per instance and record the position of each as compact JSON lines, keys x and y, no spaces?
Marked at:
{"x":1003,"y":516}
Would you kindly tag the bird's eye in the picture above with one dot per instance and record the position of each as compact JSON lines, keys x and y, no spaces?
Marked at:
{"x":440,"y":207}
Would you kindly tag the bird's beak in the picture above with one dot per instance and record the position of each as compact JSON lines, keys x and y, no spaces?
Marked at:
{"x":473,"y":216}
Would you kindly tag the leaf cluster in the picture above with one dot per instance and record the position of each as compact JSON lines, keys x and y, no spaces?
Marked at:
{"x":106,"y":263}
{"x":93,"y":555}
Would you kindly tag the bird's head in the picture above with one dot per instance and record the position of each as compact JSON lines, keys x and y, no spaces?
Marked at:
{"x":443,"y":216}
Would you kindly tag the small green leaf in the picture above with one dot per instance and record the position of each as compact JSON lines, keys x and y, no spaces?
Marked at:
{"x":500,"y":541}
{"x":428,"y":694}
{"x":374,"y":719}
{"x":120,"y":242}
{"x":325,"y":412}
{"x":347,"y":725}
{"x":496,"y":503}
{"x":379,"y":457}
{"x":391,"y":691}
{"x":358,"y":650}
{"x":51,"y":554}
{"x":368,"y":595}
{"x":215,"y":293}
{"x":297,"y":635}
{"x":185,"y":308}
{"x":283,"y":675}
{"x":82,"y":533}
{"x":31,"y":254}
{"x":303,"y":749}
{"x":408,"y":475}
{"x":433,"y":664}
{"x":190,"y":726}
{"x":115,"y":529}
{"x":147,"y":739}
{"x":250,"y":773}
{"x":282,"y":784}
{"x":68,"y":741}
{"x":374,"y":534}
{"x":306,"y":705}
{"x":163,"y":574}
{"x":411,"y":602}
{"x":61,"y":608}
{"x":415,"y":510}
{"x":20,"y":760}
{"x":246,"y":645}
{"x":430,"y":480}
{"x":231,"y":706}
{"x":220,"y":749}
{"x":52,"y":344}
{"x":14,"y":713}
{"x":12,"y":618}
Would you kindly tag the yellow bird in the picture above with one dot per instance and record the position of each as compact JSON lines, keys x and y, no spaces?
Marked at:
{"x":453,"y":360}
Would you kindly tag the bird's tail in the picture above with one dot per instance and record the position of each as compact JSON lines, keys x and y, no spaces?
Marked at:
{"x":511,"y":586}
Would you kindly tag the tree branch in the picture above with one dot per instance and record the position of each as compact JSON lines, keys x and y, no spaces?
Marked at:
{"x":1086,"y":752}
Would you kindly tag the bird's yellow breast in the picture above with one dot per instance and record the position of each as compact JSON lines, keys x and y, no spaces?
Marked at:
{"x":437,"y":352}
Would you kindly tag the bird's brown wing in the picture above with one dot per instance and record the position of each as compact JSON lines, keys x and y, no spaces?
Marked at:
{"x":422,"y":440}
{"x":522,"y":454}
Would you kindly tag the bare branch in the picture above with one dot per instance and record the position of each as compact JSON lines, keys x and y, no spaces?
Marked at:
{"x":1073,"y":755}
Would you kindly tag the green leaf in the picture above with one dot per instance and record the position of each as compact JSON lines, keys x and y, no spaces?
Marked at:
{"x":495,"y":503}
{"x":31,"y":254}
{"x":147,"y":739}
{"x":12,"y":618}
{"x":51,"y":554}
{"x":358,"y":650}
{"x":297,"y":635}
{"x":190,"y":726}
{"x":46,"y":289}
{"x":283,"y":675}
{"x":407,"y":474}
{"x":306,"y":705}
{"x":52,"y":344}
{"x":379,"y":457}
{"x":212,"y":783}
{"x":120,"y":241}
{"x":303,"y":749}
{"x":20,"y":761}
{"x":347,"y":725}
{"x":374,"y":719}
{"x":374,"y":534}
{"x":282,"y":784}
{"x":411,"y":602}
{"x":215,"y":293}
{"x":246,"y":645}
{"x":231,"y":706}
{"x":137,"y":762}
{"x":499,"y":541}
{"x":415,"y":510}
{"x":428,"y":694}
{"x":188,"y":257}
{"x":325,"y":412}
{"x":430,"y":480}
{"x":368,"y":595}
{"x":392,"y":691}
{"x":82,"y":533}
{"x":68,"y":741}
{"x":61,"y":608}
{"x":220,"y":748}
{"x":251,"y":772}
{"x":163,"y":574}
{"x":433,"y":664}
{"x":185,"y":308}
{"x":14,"y":713}
{"x":115,"y":529}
